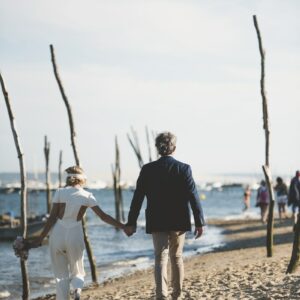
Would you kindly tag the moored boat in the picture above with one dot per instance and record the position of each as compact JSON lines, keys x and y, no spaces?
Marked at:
{"x":11,"y":229}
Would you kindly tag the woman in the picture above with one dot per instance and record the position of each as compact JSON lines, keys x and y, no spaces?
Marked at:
{"x":66,"y":241}
{"x":262,"y":201}
{"x":282,"y":197}
{"x":246,"y":199}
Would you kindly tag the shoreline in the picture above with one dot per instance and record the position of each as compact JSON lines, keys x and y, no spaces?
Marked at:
{"x":237,"y":270}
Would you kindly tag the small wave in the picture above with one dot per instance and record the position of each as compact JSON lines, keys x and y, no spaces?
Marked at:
{"x":132,"y":261}
{"x":141,"y":223}
{"x":4,"y":294}
{"x":242,"y":216}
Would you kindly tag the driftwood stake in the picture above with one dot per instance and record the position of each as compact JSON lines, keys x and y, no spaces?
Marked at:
{"x":116,"y":172}
{"x":148,"y":144}
{"x":73,"y":143}
{"x":115,"y":192}
{"x":59,"y":168}
{"x":47,"y":173}
{"x":134,"y":142}
{"x":266,"y":167}
{"x":294,"y":261}
{"x":68,"y":106}
{"x":23,"y":197}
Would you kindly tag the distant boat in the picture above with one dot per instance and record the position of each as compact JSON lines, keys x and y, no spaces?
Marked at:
{"x":34,"y":227}
{"x":96,"y":185}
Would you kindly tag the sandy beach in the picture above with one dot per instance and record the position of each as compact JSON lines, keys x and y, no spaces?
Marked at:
{"x":239,"y":270}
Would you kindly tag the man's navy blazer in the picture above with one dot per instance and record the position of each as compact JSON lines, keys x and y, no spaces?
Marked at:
{"x":170,"y":189}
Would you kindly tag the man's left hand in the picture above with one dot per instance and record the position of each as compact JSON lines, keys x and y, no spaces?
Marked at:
{"x":198,"y":232}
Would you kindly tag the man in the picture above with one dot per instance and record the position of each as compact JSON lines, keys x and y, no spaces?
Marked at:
{"x":170,"y":189}
{"x":294,"y":195}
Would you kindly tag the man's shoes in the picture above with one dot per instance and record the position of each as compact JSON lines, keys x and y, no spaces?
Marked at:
{"x":77,"y":294}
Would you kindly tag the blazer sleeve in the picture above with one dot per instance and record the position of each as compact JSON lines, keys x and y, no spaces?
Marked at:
{"x":137,"y":200}
{"x":194,"y":198}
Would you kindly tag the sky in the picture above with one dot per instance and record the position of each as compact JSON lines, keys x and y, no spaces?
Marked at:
{"x":189,"y":67}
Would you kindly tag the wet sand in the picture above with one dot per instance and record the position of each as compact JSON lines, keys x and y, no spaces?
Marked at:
{"x":239,"y":270}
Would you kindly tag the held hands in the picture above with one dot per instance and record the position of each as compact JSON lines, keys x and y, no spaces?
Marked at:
{"x":129,"y":230}
{"x":198,"y":232}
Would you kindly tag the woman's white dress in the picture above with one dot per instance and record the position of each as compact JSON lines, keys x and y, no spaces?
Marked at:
{"x":66,"y":241}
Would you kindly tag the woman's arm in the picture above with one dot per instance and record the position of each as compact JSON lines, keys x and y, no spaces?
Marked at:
{"x":50,"y":222}
{"x":107,"y":218}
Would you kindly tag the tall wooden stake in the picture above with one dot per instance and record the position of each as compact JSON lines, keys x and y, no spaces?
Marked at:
{"x":266,"y":167}
{"x":73,"y":142}
{"x":294,"y":261}
{"x":60,"y":169}
{"x":23,"y":196}
{"x":119,"y":187}
{"x":148,"y":144}
{"x":116,"y":172}
{"x":114,"y":175}
{"x":134,"y":142}
{"x":47,"y":173}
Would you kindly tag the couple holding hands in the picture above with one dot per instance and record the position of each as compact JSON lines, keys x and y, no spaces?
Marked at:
{"x":171,"y":192}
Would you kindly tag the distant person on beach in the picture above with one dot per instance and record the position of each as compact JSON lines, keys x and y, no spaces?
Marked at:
{"x":246,"y":198}
{"x":170,"y":189}
{"x":66,"y":241}
{"x":262,"y":200}
{"x":281,"y":196}
{"x":294,"y":195}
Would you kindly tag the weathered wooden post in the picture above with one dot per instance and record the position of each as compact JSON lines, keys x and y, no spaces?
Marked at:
{"x":119,"y":187}
{"x":148,"y":144}
{"x":47,"y":173}
{"x":116,"y":172}
{"x":59,"y":169}
{"x":74,"y":147}
{"x":134,"y":142}
{"x":294,"y":261}
{"x":266,"y":167}
{"x":23,"y":196}
{"x":114,"y":175}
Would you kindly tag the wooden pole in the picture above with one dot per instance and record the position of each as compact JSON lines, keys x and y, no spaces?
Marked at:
{"x":148,"y":144}
{"x":119,"y":187}
{"x":73,"y":143}
{"x":68,"y":106}
{"x":294,"y":261}
{"x":266,"y":167}
{"x":134,"y":142}
{"x":116,"y":172}
{"x":23,"y":196}
{"x":47,"y":173}
{"x":137,"y":144}
{"x":270,"y":223}
{"x":115,"y":193}
{"x":60,"y":168}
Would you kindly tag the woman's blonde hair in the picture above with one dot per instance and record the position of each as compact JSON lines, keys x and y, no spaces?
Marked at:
{"x":74,"y":180}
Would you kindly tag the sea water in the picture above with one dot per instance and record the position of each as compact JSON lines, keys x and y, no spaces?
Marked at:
{"x":114,"y":252}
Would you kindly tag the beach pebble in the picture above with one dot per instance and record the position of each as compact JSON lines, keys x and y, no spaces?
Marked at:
{"x":271,"y":283}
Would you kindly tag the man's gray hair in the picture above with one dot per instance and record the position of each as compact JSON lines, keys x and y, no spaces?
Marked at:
{"x":165,"y":143}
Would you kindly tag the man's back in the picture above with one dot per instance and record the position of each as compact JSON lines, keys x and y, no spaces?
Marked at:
{"x":169,"y":188}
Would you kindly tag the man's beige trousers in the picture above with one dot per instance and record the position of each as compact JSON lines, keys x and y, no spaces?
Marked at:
{"x":168,"y":243}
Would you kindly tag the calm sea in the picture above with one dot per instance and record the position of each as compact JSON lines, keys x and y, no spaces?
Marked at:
{"x":115,"y":253}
